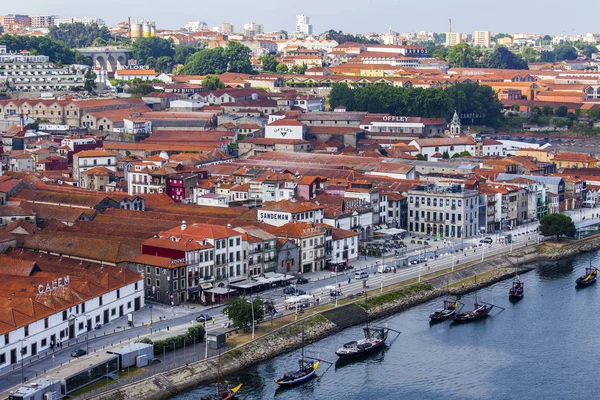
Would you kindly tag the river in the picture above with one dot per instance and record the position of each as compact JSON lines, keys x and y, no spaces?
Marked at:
{"x":547,"y":346}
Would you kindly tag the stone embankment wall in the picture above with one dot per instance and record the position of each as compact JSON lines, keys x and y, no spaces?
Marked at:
{"x":316,"y":327}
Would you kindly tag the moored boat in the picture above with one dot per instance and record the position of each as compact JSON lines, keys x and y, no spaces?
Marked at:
{"x":448,"y":310}
{"x":307,"y":370}
{"x":516,"y":292}
{"x":481,"y":311}
{"x":224,"y":392}
{"x":591,"y":273}
{"x":374,"y":339}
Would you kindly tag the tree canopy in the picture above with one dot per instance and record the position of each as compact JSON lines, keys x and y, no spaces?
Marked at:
{"x":463,"y":55}
{"x":79,"y":34}
{"x":156,"y":47}
{"x":182,"y":53}
{"x":205,"y":62}
{"x":269,"y":63}
{"x":239,"y":310}
{"x":429,"y":103}
{"x":238,"y":58}
{"x":342,"y":37}
{"x":212,"y":82}
{"x":502,"y":58}
{"x":557,"y":225}
{"x":564,"y":52}
{"x":56,"y":50}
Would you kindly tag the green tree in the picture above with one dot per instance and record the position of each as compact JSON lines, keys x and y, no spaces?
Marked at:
{"x":557,"y":225}
{"x":239,"y":310}
{"x":516,"y":107}
{"x":502,"y":58}
{"x":182,"y":53}
{"x":500,"y":36}
{"x":205,"y":62}
{"x":446,"y":155}
{"x":342,"y":37}
{"x":284,"y":33}
{"x":89,"y":82}
{"x":587,"y":49}
{"x":565,"y":52}
{"x":547,"y":110}
{"x":561,"y":111}
{"x":56,"y":50}
{"x":421,"y":157}
{"x":547,"y":56}
{"x":79,"y":34}
{"x":341,"y":95}
{"x":281,"y":68}
{"x":156,"y":47}
{"x":269,"y":63}
{"x":529,"y":54}
{"x":463,"y":55}
{"x":150,"y":62}
{"x":212,"y":82}
{"x":164,"y":64}
{"x":238,"y":58}
{"x":299,"y":69}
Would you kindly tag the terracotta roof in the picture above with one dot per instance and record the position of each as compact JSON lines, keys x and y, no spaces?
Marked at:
{"x":94,"y":153}
{"x":290,"y":206}
{"x":574,"y":157}
{"x":157,"y":261}
{"x":286,"y":122}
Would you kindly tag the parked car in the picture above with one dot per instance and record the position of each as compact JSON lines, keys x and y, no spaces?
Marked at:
{"x":487,"y":240}
{"x":301,"y":281}
{"x":361,"y":275}
{"x":289,"y":290}
{"x":384,"y":269}
{"x":78,"y":353}
{"x":300,"y":292}
{"x":98,"y":326}
{"x":203,"y":318}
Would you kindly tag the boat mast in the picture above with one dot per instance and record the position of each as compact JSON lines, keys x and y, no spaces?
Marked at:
{"x":367,"y":308}
{"x":476,"y":290}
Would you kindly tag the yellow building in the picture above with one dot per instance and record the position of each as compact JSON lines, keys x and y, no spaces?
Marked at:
{"x":574,"y":160}
{"x":540,"y":155}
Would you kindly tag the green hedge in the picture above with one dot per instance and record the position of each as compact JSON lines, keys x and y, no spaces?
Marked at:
{"x":397,"y":295}
{"x":176,"y":342}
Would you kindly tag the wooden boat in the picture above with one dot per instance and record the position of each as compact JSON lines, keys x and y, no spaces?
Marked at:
{"x":481,"y":311}
{"x":591,"y":273}
{"x":307,"y":369}
{"x":447,"y":311}
{"x":224,"y":392}
{"x":517,"y":291}
{"x":374,"y":338}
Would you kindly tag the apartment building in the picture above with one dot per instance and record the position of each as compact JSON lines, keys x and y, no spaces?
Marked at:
{"x":482,"y":38}
{"x":88,"y":159}
{"x":444,"y":211}
{"x":310,"y":240}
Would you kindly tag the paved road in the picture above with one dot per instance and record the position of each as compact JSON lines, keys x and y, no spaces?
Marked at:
{"x":98,"y":341}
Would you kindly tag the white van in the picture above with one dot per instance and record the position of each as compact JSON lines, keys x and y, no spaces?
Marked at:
{"x":361,"y":275}
{"x":384,"y":269}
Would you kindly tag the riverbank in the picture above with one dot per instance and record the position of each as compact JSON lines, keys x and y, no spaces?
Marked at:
{"x":318,"y":326}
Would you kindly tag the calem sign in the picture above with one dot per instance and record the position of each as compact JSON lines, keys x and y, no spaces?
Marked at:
{"x":53,"y":285}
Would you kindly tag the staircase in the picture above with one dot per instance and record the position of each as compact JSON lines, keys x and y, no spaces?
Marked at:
{"x":346,"y":316}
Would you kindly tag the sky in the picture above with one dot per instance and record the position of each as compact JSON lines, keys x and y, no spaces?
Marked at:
{"x":352,"y":16}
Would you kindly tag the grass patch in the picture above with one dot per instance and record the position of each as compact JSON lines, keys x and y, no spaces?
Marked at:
{"x":127,"y":373}
{"x":397,"y":295}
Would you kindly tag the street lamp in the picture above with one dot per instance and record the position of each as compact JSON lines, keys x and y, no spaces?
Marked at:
{"x":150,"y":306}
{"x":252,"y":306}
{"x":22,"y":361}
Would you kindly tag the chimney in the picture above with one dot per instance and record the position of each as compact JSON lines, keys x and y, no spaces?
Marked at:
{"x":183,"y":225}
{"x":449,"y":26}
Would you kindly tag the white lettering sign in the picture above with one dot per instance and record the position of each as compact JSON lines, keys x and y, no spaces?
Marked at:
{"x":393,"y":118}
{"x":53,"y":285}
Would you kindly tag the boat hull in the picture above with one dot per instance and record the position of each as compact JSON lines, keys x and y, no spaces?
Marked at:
{"x":581,"y":282}
{"x":439,"y":316}
{"x":471,"y":316}
{"x":299,"y":380}
{"x":360,"y":352}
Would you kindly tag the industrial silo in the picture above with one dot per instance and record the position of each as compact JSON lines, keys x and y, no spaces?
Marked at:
{"x":147,"y":29}
{"x":136,"y":30}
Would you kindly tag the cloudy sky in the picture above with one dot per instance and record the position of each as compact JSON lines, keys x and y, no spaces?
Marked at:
{"x":553,"y":17}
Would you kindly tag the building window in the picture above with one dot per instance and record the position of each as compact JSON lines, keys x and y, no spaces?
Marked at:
{"x":158,"y":283}
{"x":148,"y":282}
{"x":6,"y":338}
{"x":64,"y":315}
{"x":81,"y":326}
{"x":44,"y":343}
{"x":26,"y":330}
{"x":3,"y":358}
{"x":46,"y":323}
{"x":157,"y":271}
{"x":113,"y":312}
{"x":100,"y":300}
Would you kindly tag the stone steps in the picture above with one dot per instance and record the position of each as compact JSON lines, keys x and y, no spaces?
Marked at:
{"x":346,"y":316}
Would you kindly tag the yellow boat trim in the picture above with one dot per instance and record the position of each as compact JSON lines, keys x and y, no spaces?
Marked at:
{"x":236,"y":389}
{"x":316,"y":365}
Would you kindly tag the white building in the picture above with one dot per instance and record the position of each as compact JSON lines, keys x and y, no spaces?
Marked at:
{"x":83,"y":20}
{"x":196,"y":26}
{"x":253,"y":28}
{"x":281,"y":212}
{"x":285,"y":129}
{"x":303,"y":26}
{"x":434,"y":146}
{"x":42,"y":21}
{"x":89,"y":159}
{"x":344,"y":246}
{"x":482,"y":38}
{"x":63,"y":310}
{"x":491,"y":147}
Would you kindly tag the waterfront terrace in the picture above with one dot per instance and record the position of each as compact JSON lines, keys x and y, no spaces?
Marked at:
{"x":43,"y":297}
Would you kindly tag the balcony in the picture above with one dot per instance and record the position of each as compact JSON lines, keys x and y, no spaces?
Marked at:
{"x":417,"y":205}
{"x":453,"y":207}
{"x":318,"y":246}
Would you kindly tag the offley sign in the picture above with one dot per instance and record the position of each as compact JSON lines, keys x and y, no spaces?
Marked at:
{"x":393,"y":118}
{"x":53,"y":285}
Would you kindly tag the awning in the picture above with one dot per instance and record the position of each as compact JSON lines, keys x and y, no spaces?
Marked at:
{"x":194,"y":290}
{"x":220,"y":290}
{"x":206,"y":285}
{"x":391,"y":231}
{"x":238,"y":279}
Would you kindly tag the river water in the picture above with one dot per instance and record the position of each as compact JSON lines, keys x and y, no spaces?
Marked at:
{"x":547,"y":346}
